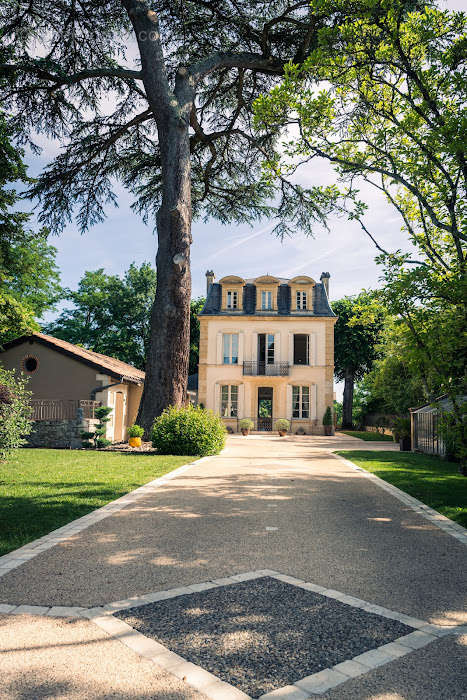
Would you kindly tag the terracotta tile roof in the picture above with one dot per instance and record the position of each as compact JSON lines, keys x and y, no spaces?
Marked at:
{"x":109,"y":365}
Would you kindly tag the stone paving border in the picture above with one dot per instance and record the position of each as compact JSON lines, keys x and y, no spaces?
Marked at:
{"x":30,"y":550}
{"x":211,"y":686}
{"x":441,"y":521}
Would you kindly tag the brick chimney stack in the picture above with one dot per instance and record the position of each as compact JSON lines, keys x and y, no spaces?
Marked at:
{"x":325,"y":280}
{"x":210,"y":277}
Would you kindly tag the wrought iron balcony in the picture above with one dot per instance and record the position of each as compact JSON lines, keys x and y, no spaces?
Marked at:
{"x":274,"y":369}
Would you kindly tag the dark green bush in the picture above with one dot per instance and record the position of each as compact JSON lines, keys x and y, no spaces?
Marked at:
{"x":15,"y":411}
{"x":327,"y":418}
{"x":188,"y":430}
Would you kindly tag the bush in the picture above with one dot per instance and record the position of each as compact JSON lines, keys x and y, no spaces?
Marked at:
{"x":453,"y":432}
{"x":282,"y":424}
{"x":96,"y":438}
{"x":401,"y":428}
{"x":189,"y":430}
{"x":327,"y":418}
{"x":135,"y":431}
{"x":15,"y":412}
{"x":246,"y":424}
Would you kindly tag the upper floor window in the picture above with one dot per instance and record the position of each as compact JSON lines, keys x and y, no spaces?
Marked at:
{"x":300,"y":402}
{"x":266,"y":300}
{"x":229,"y":401}
{"x":301,"y":300}
{"x":232,"y":299}
{"x":301,"y":349}
{"x":230,"y":348}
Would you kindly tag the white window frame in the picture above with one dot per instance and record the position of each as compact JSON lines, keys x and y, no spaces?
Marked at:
{"x":232,"y":299}
{"x":228,"y":348}
{"x":229,"y":400}
{"x":266,"y":300}
{"x":303,"y":393}
{"x":301,"y":300}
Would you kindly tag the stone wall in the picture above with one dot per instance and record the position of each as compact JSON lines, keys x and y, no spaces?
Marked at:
{"x":60,"y":433}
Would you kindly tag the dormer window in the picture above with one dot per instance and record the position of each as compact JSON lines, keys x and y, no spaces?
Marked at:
{"x":266,"y":301}
{"x":301,"y":300}
{"x":232,"y":299}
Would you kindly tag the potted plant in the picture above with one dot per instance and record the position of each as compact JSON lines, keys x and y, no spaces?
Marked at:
{"x":282,"y":425}
{"x":327,"y":421}
{"x":401,"y":433}
{"x":135,"y":433}
{"x":245,"y":425}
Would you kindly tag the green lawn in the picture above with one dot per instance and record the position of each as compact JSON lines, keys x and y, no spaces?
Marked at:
{"x":41,"y":490}
{"x":368,"y":436}
{"x":434,"y":481}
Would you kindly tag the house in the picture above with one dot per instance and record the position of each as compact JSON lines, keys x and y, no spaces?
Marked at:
{"x":68,"y":382}
{"x":267,"y":351}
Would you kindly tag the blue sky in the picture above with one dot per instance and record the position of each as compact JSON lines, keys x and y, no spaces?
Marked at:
{"x":344,"y":250}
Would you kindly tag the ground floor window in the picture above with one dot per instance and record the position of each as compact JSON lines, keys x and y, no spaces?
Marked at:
{"x":300,"y":402}
{"x":229,"y":401}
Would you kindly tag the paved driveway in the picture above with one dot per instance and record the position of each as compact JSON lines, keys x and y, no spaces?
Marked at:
{"x":265,"y":503}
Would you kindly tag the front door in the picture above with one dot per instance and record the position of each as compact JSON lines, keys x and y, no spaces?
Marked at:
{"x":265,"y":407}
{"x":118,"y":417}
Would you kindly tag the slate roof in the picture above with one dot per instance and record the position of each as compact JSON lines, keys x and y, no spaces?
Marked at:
{"x":104,"y":363}
{"x":320,"y":308}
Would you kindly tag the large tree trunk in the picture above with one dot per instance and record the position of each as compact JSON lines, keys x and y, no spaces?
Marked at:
{"x":347,"y":402}
{"x":168,"y":353}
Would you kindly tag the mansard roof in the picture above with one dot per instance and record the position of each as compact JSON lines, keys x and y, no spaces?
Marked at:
{"x":321,"y":307}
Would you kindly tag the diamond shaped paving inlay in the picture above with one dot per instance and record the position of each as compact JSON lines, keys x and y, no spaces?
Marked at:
{"x":263,"y":634}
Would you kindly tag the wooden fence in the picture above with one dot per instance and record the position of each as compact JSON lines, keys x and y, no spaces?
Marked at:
{"x":61,"y":409}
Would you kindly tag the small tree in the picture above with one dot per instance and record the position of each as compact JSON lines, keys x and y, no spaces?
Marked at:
{"x":15,"y":412}
{"x":96,"y":438}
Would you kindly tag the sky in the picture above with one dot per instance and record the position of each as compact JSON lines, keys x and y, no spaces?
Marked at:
{"x":344,"y":251}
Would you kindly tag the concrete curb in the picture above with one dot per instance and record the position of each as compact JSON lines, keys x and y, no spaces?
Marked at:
{"x":30,"y":550}
{"x":452,"y":528}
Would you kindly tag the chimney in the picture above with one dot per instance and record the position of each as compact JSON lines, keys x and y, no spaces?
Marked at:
{"x":325,"y":280}
{"x":210,"y":277}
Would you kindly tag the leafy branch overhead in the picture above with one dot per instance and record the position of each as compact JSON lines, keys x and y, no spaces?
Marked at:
{"x":85,"y":89}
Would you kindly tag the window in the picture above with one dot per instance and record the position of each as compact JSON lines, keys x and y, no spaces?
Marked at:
{"x":301,"y":349}
{"x":230,"y":348}
{"x":266,"y":300}
{"x":300,"y":402}
{"x":232,"y":300}
{"x":229,"y":401}
{"x":301,"y":300}
{"x":270,"y":349}
{"x":30,"y":364}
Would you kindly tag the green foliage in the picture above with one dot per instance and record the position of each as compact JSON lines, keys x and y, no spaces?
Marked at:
{"x":337,"y":405}
{"x":327,"y":418}
{"x":246,"y":424}
{"x":401,"y":428}
{"x":188,"y":430}
{"x":368,"y":435}
{"x":29,"y":279}
{"x":282,"y":424}
{"x":135,"y":431}
{"x":196,"y":307}
{"x":109,"y":314}
{"x":96,"y":437}
{"x":453,"y":431}
{"x":15,"y":412}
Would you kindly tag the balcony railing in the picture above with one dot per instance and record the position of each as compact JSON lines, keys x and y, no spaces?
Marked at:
{"x":275,"y":369}
{"x":63,"y":409}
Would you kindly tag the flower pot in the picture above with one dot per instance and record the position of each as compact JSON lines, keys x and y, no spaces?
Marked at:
{"x":282,"y":432}
{"x":328,"y":429}
{"x":134,"y":441}
{"x":245,"y":431}
{"x":405,"y":444}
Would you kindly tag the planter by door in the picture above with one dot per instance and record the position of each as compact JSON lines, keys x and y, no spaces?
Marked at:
{"x":405,"y":444}
{"x":328,"y":429}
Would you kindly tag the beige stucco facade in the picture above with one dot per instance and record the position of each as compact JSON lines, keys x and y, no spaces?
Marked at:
{"x":316,"y":375}
{"x":62,"y":377}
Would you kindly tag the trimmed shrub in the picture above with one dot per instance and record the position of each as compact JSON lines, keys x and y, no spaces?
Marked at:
{"x":135,"y":431}
{"x":15,"y":411}
{"x":327,"y":418}
{"x":188,"y":430}
{"x":281,"y":424}
{"x":246,"y":424}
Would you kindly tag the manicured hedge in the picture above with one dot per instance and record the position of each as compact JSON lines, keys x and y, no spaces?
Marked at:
{"x":188,"y":431}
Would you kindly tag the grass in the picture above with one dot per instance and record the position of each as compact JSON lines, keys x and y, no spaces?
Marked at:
{"x":368,"y":436}
{"x":41,"y":490}
{"x":434,"y":481}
